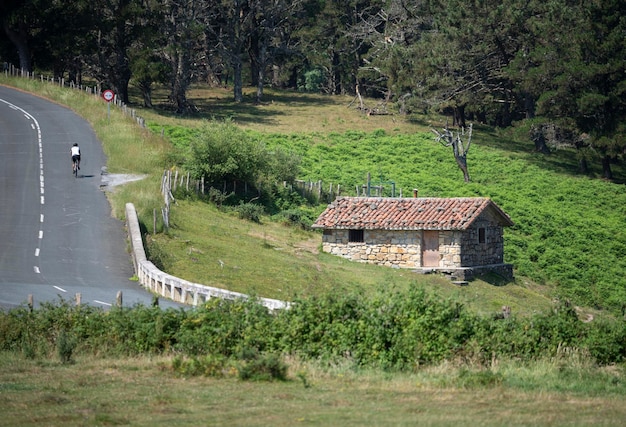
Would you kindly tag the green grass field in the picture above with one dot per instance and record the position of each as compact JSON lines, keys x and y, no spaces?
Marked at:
{"x":144,"y":392}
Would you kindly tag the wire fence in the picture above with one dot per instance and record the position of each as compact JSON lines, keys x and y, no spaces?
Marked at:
{"x":95,"y":90}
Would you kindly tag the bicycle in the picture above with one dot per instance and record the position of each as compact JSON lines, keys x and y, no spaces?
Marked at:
{"x":75,"y":167}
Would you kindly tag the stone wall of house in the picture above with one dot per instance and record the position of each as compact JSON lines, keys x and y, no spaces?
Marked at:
{"x":400,"y":249}
{"x":490,"y":252}
{"x":450,"y":253}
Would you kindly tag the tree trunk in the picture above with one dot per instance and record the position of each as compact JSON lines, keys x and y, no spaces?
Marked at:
{"x":122,"y":73}
{"x":606,"y":167}
{"x":147,"y":98}
{"x":146,"y":92}
{"x":122,"y":76}
{"x":462,"y":162}
{"x":529,"y":105}
{"x":459,"y":150}
{"x":538,"y":137}
{"x":583,"y":166}
{"x":237,"y":81}
{"x":261,"y":64}
{"x":20,"y":41}
{"x":255,"y":58}
{"x":276,"y":77}
{"x":180,"y":83}
{"x":458,"y":116}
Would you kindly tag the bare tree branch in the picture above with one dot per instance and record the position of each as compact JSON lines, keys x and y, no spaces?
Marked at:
{"x":447,"y":138}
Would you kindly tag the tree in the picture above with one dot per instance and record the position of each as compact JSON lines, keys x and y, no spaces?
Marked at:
{"x":455,"y":57}
{"x":51,"y":35}
{"x":114,"y":32}
{"x":183,"y":29}
{"x":269,"y":36}
{"x":460,"y":149}
{"x":19,"y":22}
{"x":147,"y":69}
{"x":387,"y":29}
{"x":578,"y":73}
{"x":66,"y":41}
{"x":228,"y":23}
{"x":145,"y":54}
{"x":329,"y":45}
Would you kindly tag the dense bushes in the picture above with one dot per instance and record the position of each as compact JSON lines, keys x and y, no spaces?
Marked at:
{"x":222,"y":152}
{"x":393,"y":330}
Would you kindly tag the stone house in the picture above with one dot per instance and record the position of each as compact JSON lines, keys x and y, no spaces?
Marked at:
{"x":462,"y":237}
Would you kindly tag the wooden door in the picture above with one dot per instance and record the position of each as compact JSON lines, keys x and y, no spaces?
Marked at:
{"x":430,"y":249}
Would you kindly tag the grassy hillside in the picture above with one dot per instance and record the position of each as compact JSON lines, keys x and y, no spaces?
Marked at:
{"x":569,"y":229}
{"x":568,"y":235}
{"x":218,"y":249}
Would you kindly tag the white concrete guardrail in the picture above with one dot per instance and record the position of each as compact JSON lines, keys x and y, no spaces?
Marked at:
{"x":168,"y":286}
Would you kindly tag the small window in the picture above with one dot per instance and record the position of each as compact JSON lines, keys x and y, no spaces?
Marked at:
{"x":481,"y":235}
{"x":328,"y":232}
{"x":355,"y":236}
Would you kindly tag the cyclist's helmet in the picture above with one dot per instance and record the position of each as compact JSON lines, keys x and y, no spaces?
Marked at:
{"x":76,"y":144}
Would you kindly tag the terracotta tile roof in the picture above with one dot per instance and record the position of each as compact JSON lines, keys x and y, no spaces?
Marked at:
{"x":420,"y":213}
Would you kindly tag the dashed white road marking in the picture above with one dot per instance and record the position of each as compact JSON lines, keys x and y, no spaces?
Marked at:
{"x":103,"y":303}
{"x":35,"y":126}
{"x":59,"y":289}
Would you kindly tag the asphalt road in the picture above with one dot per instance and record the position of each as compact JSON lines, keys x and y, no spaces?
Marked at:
{"x":57,"y":235}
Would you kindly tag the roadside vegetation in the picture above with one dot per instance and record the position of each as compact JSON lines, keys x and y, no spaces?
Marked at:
{"x":359,"y":338}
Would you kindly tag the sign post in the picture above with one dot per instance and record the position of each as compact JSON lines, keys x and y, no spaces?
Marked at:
{"x":108,"y":96}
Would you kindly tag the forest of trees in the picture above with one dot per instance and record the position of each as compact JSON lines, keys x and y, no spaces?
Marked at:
{"x":559,"y":63}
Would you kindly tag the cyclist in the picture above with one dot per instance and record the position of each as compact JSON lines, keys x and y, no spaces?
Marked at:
{"x":75,"y":153}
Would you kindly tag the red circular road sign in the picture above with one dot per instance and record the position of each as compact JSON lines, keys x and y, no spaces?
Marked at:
{"x":108,"y":95}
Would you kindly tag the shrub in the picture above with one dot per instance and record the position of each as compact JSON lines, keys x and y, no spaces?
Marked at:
{"x":296,"y":218}
{"x":155,"y":253}
{"x":221,"y":151}
{"x":208,"y":366}
{"x":265,"y":367}
{"x":390,"y":330}
{"x":66,"y":344}
{"x":313,"y":80}
{"x":479,"y":378}
{"x":225,"y":327}
{"x":606,"y":341}
{"x":250,"y":211}
{"x":217,"y":197}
